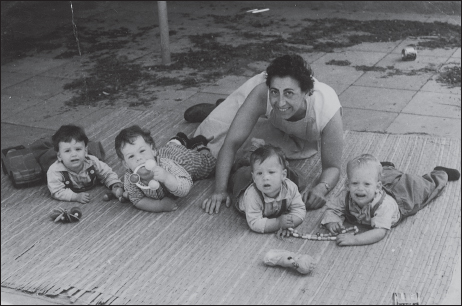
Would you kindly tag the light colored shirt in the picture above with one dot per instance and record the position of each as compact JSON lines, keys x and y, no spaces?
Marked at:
{"x":135,"y":194}
{"x":55,"y":178}
{"x":257,"y":211}
{"x":385,"y":216}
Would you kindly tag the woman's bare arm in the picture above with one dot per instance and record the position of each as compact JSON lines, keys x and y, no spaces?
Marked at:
{"x":246,"y":117}
{"x":331,"y":160}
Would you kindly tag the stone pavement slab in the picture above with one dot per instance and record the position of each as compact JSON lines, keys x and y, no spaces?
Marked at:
{"x":71,"y":69}
{"x":54,"y":114}
{"x":456,"y":54}
{"x":421,"y":62}
{"x":14,"y":135}
{"x":410,"y":123}
{"x":372,"y":98}
{"x":330,"y":74}
{"x":434,"y":104}
{"x":381,"y":79}
{"x":356,"y":119}
{"x":39,"y":87}
{"x":382,"y":47}
{"x":32,"y":65}
{"x":12,"y":78}
{"x":356,"y":58}
{"x":226,"y":85}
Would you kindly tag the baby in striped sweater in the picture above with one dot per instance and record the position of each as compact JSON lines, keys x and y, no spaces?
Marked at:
{"x":177,"y":164}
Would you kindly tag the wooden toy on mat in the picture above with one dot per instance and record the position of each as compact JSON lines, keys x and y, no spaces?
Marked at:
{"x":62,"y":215}
{"x":144,"y":172}
{"x":303,"y":263}
{"x":319,"y":236}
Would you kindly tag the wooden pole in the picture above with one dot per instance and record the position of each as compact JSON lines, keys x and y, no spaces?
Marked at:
{"x":163,"y":25}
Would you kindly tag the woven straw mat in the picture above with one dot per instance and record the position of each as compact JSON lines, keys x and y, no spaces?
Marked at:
{"x":117,"y":254}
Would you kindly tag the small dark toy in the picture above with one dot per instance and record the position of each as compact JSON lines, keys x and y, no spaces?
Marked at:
{"x":62,"y":215}
{"x":21,"y":166}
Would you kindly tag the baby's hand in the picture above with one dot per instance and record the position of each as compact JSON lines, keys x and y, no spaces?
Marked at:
{"x":335,"y":227}
{"x":160,"y":174}
{"x":83,"y":197}
{"x":286,"y":221}
{"x":346,"y":239}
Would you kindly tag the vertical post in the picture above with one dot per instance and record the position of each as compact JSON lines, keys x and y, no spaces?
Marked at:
{"x":163,"y":25}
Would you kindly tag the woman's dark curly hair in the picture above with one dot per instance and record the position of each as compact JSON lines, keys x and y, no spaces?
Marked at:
{"x":292,"y":65}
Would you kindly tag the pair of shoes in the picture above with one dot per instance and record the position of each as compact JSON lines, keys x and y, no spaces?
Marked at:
{"x":453,"y":174}
{"x":197,"y":113}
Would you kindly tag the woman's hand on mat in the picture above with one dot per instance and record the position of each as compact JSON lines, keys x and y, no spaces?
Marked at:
{"x":82,"y":197}
{"x":335,"y":227}
{"x":313,"y":198}
{"x":214,"y":202}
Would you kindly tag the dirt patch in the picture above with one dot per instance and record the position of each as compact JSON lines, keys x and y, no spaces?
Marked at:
{"x":339,"y":63}
{"x":450,"y":76}
{"x":327,"y":34}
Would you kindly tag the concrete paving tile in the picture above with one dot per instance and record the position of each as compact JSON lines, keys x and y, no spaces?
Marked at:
{"x":435,"y":126}
{"x":12,"y":78}
{"x":74,"y":69}
{"x":312,"y":57}
{"x":434,"y":86}
{"x":395,"y":61}
{"x":380,"y":79}
{"x":331,"y":74}
{"x":382,"y":47}
{"x":161,"y":100}
{"x":380,"y":99}
{"x":259,"y":66}
{"x":355,"y":119}
{"x":456,"y":54}
{"x":434,"y":104}
{"x":438,"y":52}
{"x":14,"y":135}
{"x":53,"y":113}
{"x":38,"y":87}
{"x":14,"y":104}
{"x":226,"y":85}
{"x":356,"y":58}
{"x":33,"y":65}
{"x":339,"y":88}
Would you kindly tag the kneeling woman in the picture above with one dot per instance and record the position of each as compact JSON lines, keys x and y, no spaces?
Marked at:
{"x":286,"y":107}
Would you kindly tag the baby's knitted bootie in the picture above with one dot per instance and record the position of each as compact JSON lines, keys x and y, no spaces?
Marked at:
{"x":453,"y":174}
{"x":198,"y":142}
{"x":181,"y":138}
{"x":303,"y":263}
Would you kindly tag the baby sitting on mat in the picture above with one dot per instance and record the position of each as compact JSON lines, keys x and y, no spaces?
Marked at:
{"x":272,"y":202}
{"x":380,"y":196}
{"x":174,"y":166}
